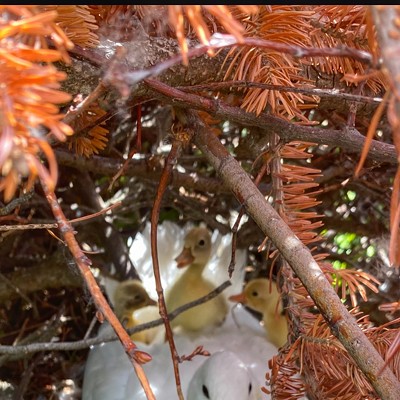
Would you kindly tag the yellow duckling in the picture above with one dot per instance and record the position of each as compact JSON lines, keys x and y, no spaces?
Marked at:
{"x":259,"y":296}
{"x":191,"y":285}
{"x":129,"y":297}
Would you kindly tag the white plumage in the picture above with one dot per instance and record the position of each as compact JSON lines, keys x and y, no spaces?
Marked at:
{"x":109,"y":374}
{"x":223,"y":376}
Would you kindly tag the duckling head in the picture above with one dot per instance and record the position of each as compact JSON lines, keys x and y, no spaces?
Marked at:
{"x":197,"y":248}
{"x":262,"y":296}
{"x":130,"y":296}
{"x":259,"y":295}
{"x":223,"y":376}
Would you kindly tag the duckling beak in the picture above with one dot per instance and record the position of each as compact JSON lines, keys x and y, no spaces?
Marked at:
{"x":238,"y":298}
{"x":152,"y":302}
{"x":185,"y":258}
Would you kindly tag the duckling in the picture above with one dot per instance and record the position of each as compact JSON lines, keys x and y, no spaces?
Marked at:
{"x":130,"y":301}
{"x":260,"y":296}
{"x":223,"y":376}
{"x":191,"y":285}
{"x":170,"y":239}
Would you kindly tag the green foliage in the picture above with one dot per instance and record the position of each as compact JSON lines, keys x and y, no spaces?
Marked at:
{"x":345,"y":242}
{"x":169,"y":214}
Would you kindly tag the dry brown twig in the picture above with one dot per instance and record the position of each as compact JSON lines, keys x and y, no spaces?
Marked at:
{"x":87,"y":343}
{"x":136,"y":356}
{"x":5,"y":228}
{"x":164,"y":180}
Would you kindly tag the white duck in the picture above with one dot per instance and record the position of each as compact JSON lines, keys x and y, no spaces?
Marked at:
{"x":109,"y":374}
{"x":214,"y":381}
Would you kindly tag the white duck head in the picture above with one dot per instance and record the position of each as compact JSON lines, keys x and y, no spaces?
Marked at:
{"x":223,"y":376}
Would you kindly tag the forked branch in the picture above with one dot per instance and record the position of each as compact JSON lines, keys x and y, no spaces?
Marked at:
{"x":341,"y":323}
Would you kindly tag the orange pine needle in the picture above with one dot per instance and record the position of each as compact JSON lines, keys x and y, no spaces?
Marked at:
{"x":371,"y":132}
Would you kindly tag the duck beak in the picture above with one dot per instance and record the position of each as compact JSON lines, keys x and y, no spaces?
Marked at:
{"x":238,"y":298}
{"x":185,"y":258}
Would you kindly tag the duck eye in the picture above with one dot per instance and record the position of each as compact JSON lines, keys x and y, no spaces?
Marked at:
{"x":202,"y":242}
{"x":250,"y":387}
{"x":205,"y":391}
{"x":254,"y":294}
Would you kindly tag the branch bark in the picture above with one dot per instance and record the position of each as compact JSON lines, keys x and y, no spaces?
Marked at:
{"x":146,"y":169}
{"x":160,"y":56}
{"x":86,"y":343}
{"x":136,"y":356}
{"x":49,"y":273}
{"x":342,"y":324}
{"x":350,"y":140}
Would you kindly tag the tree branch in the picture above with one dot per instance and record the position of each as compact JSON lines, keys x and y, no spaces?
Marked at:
{"x":136,"y":356}
{"x":342,"y":324}
{"x":330,"y":93}
{"x":350,"y":140}
{"x":84,"y":344}
{"x":170,"y":161}
{"x":146,"y":169}
{"x":51,"y":272}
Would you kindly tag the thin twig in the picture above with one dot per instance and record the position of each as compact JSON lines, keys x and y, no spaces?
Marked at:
{"x":137,"y":357}
{"x":155,"y":214}
{"x":13,"y":204}
{"x":25,"y":379}
{"x":86,"y":343}
{"x":334,"y":93}
{"x":4,"y":228}
{"x":146,"y":169}
{"x":300,"y":52}
{"x":134,"y":150}
{"x":96,"y":214}
{"x":351,"y":117}
{"x":72,"y":114}
{"x":198,"y":351}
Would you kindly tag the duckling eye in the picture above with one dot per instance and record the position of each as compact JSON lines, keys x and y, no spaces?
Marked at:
{"x":202,"y":242}
{"x":250,"y":387}
{"x":254,"y":294}
{"x":205,"y":391}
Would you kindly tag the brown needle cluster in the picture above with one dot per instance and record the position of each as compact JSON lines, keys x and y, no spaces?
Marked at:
{"x":30,"y":91}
